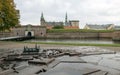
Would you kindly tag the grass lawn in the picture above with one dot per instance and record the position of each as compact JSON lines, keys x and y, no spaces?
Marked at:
{"x":75,"y":44}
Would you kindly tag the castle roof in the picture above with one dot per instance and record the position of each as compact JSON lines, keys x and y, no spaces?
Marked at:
{"x":54,"y":23}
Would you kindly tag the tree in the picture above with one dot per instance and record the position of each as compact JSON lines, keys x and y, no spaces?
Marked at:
{"x":58,"y":27}
{"x":1,"y":21}
{"x":9,"y":16}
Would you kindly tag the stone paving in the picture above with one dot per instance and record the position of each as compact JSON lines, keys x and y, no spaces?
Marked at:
{"x":91,"y":61}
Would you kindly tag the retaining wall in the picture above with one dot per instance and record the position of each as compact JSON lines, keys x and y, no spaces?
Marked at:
{"x":78,"y":35}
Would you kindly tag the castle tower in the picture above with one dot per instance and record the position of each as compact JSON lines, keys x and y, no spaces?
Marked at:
{"x":66,"y":20}
{"x":42,"y":21}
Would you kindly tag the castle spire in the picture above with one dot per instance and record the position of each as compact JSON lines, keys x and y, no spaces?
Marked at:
{"x":66,"y":18}
{"x":42,"y":19}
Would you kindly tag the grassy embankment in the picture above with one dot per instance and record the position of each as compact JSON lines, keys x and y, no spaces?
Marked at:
{"x":75,"y":44}
{"x":77,"y":30}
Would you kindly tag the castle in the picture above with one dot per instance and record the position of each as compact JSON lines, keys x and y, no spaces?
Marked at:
{"x":71,"y":24}
{"x":40,"y":30}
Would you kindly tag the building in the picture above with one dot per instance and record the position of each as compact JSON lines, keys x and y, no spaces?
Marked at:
{"x":29,"y":30}
{"x":117,"y":28}
{"x":72,"y":24}
{"x":54,"y":23}
{"x":99,"y":27}
{"x":42,"y":20}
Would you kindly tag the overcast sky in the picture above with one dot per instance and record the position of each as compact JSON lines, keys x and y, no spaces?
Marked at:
{"x":86,"y":11}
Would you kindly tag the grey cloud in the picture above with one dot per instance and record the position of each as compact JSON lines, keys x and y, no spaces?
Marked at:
{"x":87,"y":11}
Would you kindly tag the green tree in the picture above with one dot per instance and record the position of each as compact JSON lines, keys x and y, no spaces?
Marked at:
{"x":1,"y":21}
{"x":9,"y":16}
{"x":58,"y":27}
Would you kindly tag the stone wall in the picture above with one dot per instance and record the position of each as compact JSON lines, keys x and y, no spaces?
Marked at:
{"x":108,"y":35}
{"x":40,"y":32}
{"x":37,"y":31}
{"x":78,"y":35}
{"x":116,"y":35}
{"x":5,"y":34}
{"x":18,"y":31}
